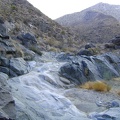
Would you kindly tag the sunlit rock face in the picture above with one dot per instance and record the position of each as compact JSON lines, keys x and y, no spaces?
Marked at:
{"x":81,"y":69}
{"x":7,"y":104}
{"x":43,"y":94}
{"x":38,"y":95}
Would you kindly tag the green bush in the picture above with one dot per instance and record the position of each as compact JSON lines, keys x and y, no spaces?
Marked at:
{"x":13,"y":7}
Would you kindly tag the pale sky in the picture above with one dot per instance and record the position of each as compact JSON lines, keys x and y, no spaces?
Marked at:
{"x":57,"y":8}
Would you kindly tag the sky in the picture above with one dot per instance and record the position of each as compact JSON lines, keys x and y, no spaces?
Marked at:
{"x":57,"y":8}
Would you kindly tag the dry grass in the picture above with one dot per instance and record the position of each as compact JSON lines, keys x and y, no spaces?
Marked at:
{"x":94,"y":50}
{"x":53,"y":49}
{"x":36,"y":50}
{"x":69,"y":49}
{"x":97,"y":86}
{"x":87,"y":85}
{"x":118,"y":93}
{"x":53,"y":42}
{"x":116,"y":79}
{"x":19,"y":51}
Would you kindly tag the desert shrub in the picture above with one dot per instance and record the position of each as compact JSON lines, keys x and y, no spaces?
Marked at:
{"x":53,"y":49}
{"x":69,"y":49}
{"x":19,"y":53}
{"x":63,"y":32}
{"x":13,"y":7}
{"x":87,"y":85}
{"x":36,"y":50}
{"x":53,"y":42}
{"x":28,"y":56}
{"x":16,"y":29}
{"x":97,"y":86}
{"x":94,"y":51}
{"x":101,"y":86}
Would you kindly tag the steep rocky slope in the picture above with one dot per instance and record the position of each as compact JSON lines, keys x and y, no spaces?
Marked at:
{"x":22,"y":17}
{"x":97,"y":27}
{"x":97,"y":23}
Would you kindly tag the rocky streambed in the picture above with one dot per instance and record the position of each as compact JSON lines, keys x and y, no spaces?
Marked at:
{"x":49,"y":92}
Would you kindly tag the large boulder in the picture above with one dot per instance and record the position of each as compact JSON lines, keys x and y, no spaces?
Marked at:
{"x":85,"y":52}
{"x":63,"y":57}
{"x":89,"y":68}
{"x":28,"y":54}
{"x":116,"y":40}
{"x":110,"y":114}
{"x":89,"y":45}
{"x":7,"y":104}
{"x":37,"y":98}
{"x":90,"y":51}
{"x":13,"y":66}
{"x":110,"y":45}
{"x":80,"y":71}
{"x":18,"y":65}
{"x":27,"y":39}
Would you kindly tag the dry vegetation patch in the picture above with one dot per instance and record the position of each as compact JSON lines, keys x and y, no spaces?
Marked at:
{"x":97,"y":86}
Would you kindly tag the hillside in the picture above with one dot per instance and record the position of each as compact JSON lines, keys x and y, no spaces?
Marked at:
{"x":21,"y":17}
{"x":97,"y":27}
{"x":37,"y":84}
{"x":113,"y":10}
{"x":108,"y":9}
{"x":95,"y":23}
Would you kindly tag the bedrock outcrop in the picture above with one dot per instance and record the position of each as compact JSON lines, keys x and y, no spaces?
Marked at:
{"x":81,"y":69}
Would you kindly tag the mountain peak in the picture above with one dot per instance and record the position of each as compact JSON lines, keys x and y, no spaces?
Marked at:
{"x":101,"y":3}
{"x":97,"y":23}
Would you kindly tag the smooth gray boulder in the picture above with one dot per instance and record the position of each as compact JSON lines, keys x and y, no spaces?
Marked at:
{"x":14,"y":66}
{"x":41,"y":94}
{"x":81,"y":69}
{"x":110,"y":114}
{"x":18,"y":65}
{"x":7,"y":104}
{"x":27,"y":38}
{"x":38,"y":99}
{"x":86,"y":52}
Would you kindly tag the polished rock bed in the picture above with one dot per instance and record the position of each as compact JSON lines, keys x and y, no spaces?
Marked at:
{"x":42,"y":94}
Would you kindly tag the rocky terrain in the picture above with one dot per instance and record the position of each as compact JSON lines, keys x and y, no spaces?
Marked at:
{"x":21,"y":17}
{"x":96,"y":24}
{"x":51,"y":92}
{"x":37,"y":84}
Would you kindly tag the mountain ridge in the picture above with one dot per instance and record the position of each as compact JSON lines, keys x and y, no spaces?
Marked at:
{"x":100,"y":23}
{"x":100,"y":7}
